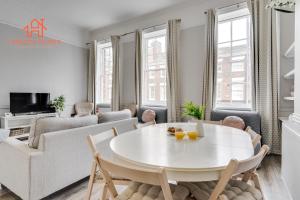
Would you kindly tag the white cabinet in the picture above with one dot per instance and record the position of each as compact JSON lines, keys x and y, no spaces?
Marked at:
{"x":22,"y":121}
{"x":290,"y":157}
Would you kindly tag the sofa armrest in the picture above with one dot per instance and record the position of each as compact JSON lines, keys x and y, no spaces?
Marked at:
{"x":16,"y":163}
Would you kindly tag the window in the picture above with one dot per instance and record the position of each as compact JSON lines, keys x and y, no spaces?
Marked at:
{"x":104,"y":73}
{"x":234,"y":74}
{"x":154,"y":68}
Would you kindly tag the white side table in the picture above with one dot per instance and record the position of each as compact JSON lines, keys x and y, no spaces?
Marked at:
{"x":4,"y":133}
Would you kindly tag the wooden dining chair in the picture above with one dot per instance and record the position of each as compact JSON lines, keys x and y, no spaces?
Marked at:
{"x":255,"y":137}
{"x":227,"y":187}
{"x":146,"y":183}
{"x":137,"y":126}
{"x":96,"y":172}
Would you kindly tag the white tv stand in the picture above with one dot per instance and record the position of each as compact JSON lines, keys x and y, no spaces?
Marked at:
{"x":21,"y":121}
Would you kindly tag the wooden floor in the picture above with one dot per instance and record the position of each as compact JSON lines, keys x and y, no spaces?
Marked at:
{"x":269,"y":172}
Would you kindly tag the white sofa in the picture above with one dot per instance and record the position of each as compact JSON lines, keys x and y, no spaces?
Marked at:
{"x":61,"y":159}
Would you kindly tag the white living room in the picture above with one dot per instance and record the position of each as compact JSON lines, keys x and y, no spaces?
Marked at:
{"x":149,"y":100}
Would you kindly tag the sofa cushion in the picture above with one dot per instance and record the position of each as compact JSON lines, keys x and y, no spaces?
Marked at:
{"x":51,"y":124}
{"x":161,"y":114}
{"x":142,"y":191}
{"x":114,"y":116}
{"x":148,"y":116}
{"x":234,"y":190}
{"x":235,"y":122}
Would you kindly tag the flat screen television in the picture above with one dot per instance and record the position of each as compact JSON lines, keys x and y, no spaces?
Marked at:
{"x":30,"y":103}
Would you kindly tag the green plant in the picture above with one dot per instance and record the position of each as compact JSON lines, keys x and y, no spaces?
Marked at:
{"x":58,"y":103}
{"x":194,"y":110}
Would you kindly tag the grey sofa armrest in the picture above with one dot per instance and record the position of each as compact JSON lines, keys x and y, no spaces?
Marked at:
{"x":161,"y":114}
{"x":250,"y":118}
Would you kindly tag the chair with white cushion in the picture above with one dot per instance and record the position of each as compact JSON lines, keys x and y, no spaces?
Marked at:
{"x":228,"y":188}
{"x":146,"y":184}
{"x":83,"y":109}
{"x":96,"y":173}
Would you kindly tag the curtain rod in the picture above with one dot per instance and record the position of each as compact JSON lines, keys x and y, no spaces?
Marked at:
{"x":124,"y":34}
{"x":236,"y":4}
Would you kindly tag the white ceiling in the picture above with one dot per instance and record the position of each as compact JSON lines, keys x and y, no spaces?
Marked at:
{"x":92,"y":14}
{"x":71,"y":20}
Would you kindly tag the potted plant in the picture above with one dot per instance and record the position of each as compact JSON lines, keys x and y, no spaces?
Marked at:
{"x":197,"y":112}
{"x":58,"y":104}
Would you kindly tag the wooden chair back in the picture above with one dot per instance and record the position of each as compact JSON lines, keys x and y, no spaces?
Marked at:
{"x":235,"y":168}
{"x":255,"y":137}
{"x":93,"y":140}
{"x":153,"y":177}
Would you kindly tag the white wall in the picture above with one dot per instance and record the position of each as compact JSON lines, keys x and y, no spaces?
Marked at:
{"x":192,"y":47}
{"x":190,"y":69}
{"x":59,"y":70}
{"x":18,"y":13}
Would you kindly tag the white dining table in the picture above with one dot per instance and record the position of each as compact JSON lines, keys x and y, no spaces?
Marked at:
{"x":184,"y":160}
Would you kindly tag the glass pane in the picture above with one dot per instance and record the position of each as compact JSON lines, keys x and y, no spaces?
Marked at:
{"x":238,"y":92}
{"x":154,"y":68}
{"x":233,"y":87}
{"x":238,"y":67}
{"x":239,"y":29}
{"x":224,"y":32}
{"x":104,"y":74}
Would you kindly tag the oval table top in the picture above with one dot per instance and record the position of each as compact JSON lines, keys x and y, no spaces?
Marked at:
{"x":152,"y":146}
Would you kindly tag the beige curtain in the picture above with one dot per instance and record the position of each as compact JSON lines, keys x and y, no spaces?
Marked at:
{"x":210,"y":65}
{"x":173,"y":90}
{"x":266,"y":71}
{"x":115,"y":103}
{"x":138,"y":67}
{"x":91,"y":95}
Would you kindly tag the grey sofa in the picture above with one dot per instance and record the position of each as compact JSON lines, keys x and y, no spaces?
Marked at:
{"x":161,"y":114}
{"x":250,"y":118}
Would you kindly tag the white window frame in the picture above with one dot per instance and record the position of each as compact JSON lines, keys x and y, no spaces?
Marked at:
{"x":149,"y":34}
{"x":100,"y":62}
{"x":224,"y":11}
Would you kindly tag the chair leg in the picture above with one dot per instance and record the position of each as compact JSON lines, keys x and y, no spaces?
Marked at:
{"x":104,"y":193}
{"x":91,"y":181}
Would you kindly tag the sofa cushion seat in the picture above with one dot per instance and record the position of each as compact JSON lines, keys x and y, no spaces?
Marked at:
{"x":50,"y":124}
{"x":141,"y":191}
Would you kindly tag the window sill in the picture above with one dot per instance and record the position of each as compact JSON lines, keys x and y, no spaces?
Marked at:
{"x":156,"y":106}
{"x":103,"y":106}
{"x":234,"y":109}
